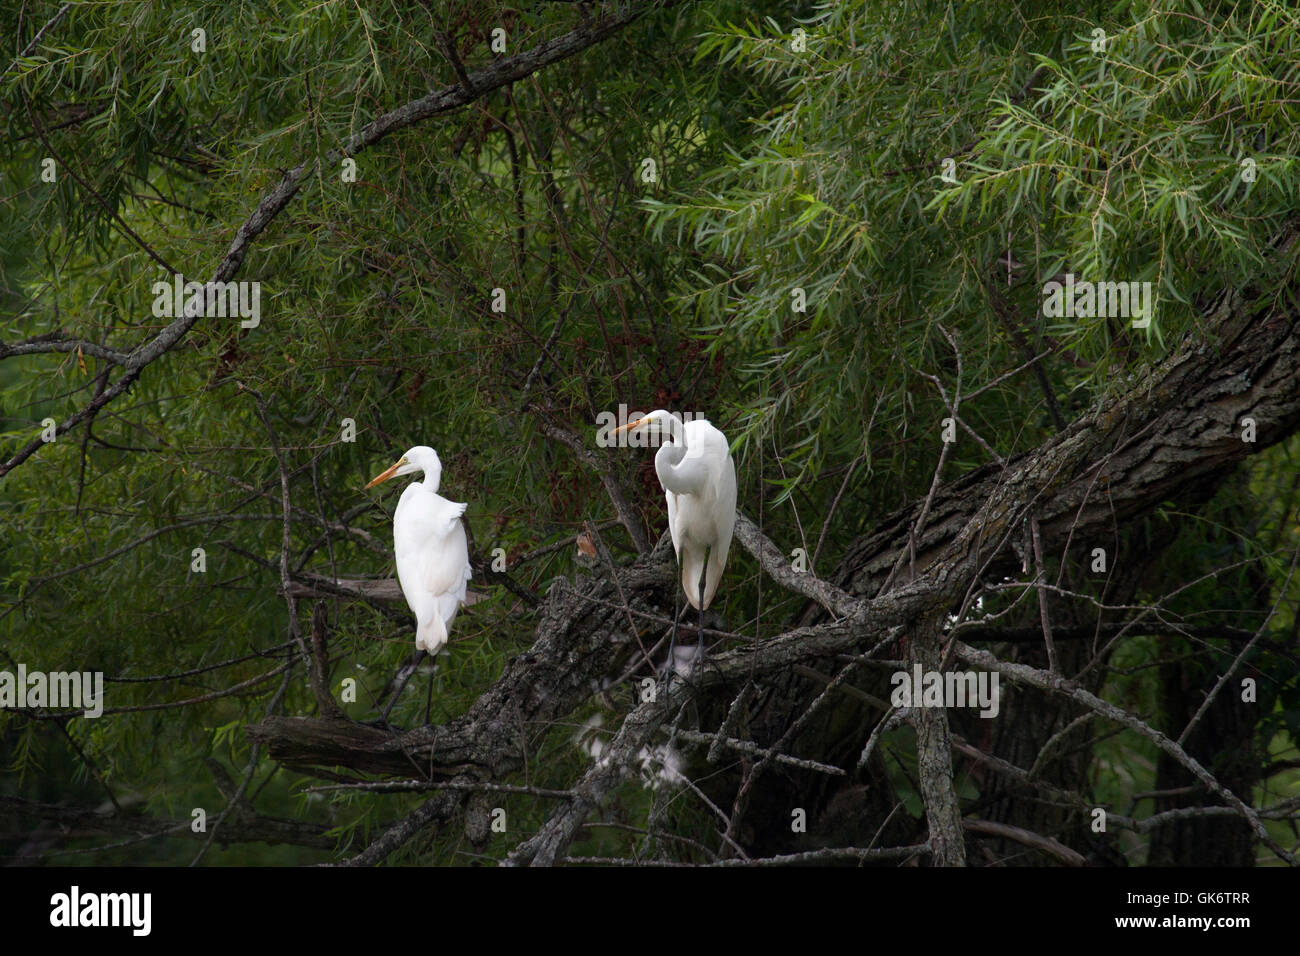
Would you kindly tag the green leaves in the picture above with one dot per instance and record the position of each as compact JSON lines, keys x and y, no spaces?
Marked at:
{"x":842,"y":238}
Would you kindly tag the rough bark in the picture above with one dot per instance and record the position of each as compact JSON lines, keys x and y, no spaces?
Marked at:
{"x":1166,"y":431}
{"x":934,"y":758}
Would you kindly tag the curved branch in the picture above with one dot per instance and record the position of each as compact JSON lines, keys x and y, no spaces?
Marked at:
{"x":1058,"y":685}
{"x":499,"y":74}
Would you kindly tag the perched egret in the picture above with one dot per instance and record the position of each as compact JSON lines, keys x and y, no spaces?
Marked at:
{"x":699,"y":481}
{"x":432,"y":552}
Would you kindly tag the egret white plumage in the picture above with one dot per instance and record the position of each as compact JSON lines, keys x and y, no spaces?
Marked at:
{"x":430,"y":545}
{"x":699,"y":482}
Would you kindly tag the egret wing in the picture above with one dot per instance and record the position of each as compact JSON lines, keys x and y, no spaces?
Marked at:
{"x":671,"y":497}
{"x":432,"y":550}
{"x":447,"y":568}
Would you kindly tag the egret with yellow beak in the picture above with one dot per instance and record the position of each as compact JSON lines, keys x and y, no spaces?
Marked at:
{"x":430,"y":545}
{"x":699,"y":480}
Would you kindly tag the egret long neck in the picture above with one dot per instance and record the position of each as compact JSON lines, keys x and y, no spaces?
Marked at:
{"x":429,"y":480}
{"x":677,"y":473}
{"x":676,"y":430}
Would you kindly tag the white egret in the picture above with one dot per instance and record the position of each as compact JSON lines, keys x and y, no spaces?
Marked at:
{"x":699,"y":481}
{"x":431,"y":549}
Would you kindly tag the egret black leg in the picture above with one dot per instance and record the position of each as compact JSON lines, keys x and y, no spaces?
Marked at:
{"x":402,"y":686}
{"x":672,"y":640}
{"x":428,"y":695}
{"x":699,"y":645}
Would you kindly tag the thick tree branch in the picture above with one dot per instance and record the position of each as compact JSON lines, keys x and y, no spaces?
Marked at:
{"x":1055,"y":684}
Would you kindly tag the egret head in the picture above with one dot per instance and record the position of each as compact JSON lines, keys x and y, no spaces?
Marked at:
{"x":654,"y":427}
{"x":420,"y":458}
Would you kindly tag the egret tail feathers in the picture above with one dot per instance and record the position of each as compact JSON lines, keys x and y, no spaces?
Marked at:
{"x":431,"y":635}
